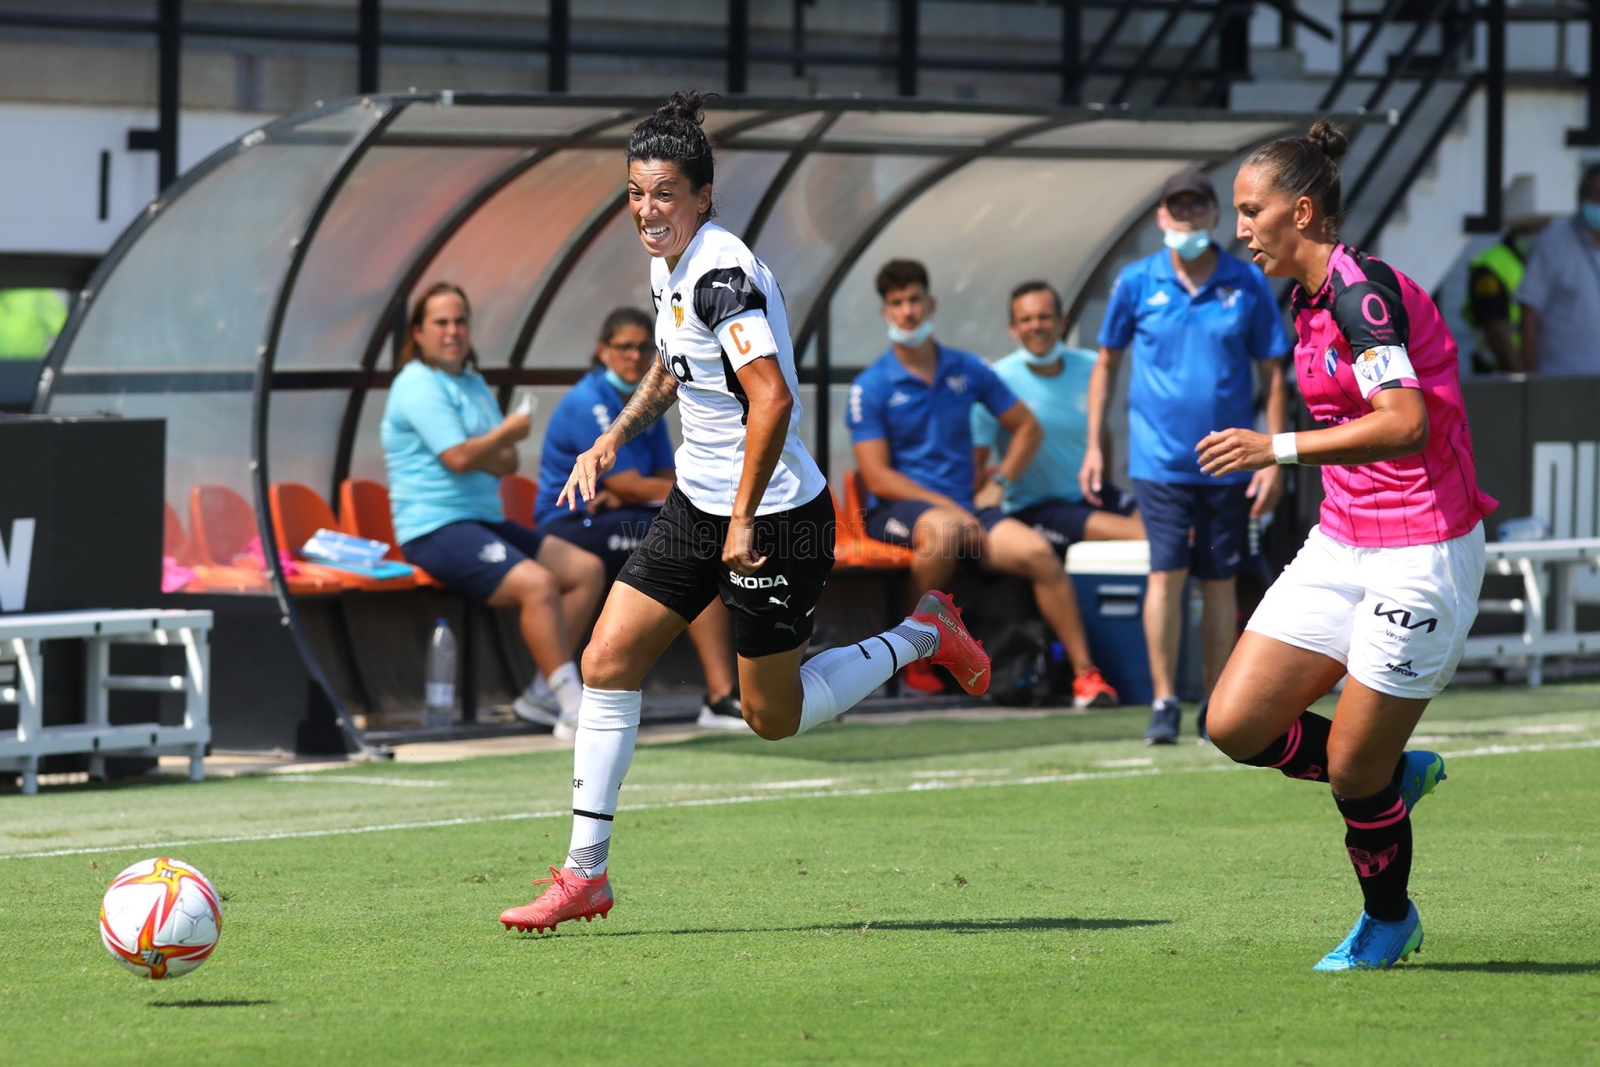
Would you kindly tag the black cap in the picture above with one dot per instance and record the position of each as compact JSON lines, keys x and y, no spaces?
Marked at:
{"x":1188,"y":181}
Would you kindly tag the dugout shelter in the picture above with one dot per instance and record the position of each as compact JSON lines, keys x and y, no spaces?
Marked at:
{"x":258,"y":306}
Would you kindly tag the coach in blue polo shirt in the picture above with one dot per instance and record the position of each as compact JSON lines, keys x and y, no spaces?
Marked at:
{"x":631,"y":493}
{"x":910,"y":424}
{"x":1203,"y":326}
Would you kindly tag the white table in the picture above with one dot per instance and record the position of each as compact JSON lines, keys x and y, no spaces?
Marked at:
{"x":21,"y":638}
{"x":1546,"y":568}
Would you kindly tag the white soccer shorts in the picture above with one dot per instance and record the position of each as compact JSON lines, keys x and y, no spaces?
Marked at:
{"x":1397,"y":618}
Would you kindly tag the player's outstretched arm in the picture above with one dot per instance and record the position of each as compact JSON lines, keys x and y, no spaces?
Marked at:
{"x":657,"y":391}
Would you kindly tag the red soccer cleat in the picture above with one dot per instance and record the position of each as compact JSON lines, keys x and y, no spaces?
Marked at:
{"x":919,"y":678}
{"x":1090,"y":690}
{"x":959,"y":652}
{"x":570,"y":896}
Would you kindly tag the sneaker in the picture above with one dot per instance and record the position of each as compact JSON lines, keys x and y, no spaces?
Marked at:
{"x":566,"y":727}
{"x":1422,"y":771}
{"x":1163,"y":728}
{"x":1374,"y":946}
{"x":959,"y":652}
{"x":724,"y":714}
{"x":919,"y":678}
{"x":1201,"y":735}
{"x":1090,"y":690}
{"x":570,"y":896}
{"x":537,"y":704}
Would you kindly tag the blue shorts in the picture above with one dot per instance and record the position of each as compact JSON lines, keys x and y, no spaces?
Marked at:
{"x":1061,"y":522}
{"x":1218,"y":516}
{"x":473,"y":557}
{"x":612,"y":534}
{"x":894,"y":520}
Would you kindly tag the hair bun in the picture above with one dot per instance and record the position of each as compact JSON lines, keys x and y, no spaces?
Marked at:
{"x":1328,"y":139}
{"x":685,"y":105}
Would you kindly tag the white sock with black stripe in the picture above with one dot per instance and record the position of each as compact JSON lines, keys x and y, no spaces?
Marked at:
{"x":837,"y":680}
{"x":602,"y":752}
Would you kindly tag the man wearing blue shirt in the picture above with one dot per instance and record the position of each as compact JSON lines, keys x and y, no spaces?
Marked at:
{"x":1053,"y":380}
{"x":1197,"y":320}
{"x":631,"y":493}
{"x":910,"y":424}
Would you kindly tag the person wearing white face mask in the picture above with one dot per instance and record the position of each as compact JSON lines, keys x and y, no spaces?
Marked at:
{"x":1560,"y":293}
{"x":629,"y":498}
{"x":1197,"y":320}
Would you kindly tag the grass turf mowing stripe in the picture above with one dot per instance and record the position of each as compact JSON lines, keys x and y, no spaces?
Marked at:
{"x":820,"y":794}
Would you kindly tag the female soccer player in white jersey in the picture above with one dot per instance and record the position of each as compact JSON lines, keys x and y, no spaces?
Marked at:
{"x":750,"y":518}
{"x":1386,"y":585}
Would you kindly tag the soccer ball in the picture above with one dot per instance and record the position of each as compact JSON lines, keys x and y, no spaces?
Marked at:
{"x":160,"y":918}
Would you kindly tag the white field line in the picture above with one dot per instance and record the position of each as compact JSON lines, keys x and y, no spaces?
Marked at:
{"x":357,"y":779}
{"x":866,"y":791}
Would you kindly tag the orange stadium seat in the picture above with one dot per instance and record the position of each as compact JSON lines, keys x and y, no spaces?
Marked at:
{"x":364,"y":512}
{"x":518,"y":497}
{"x":298,"y":512}
{"x":208,"y":578}
{"x":853,"y":547}
{"x":223,"y":524}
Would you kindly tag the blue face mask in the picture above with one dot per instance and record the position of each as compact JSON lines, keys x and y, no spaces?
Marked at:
{"x":622,"y":386}
{"x":1591,"y":215}
{"x":911,"y":338}
{"x":1048,"y":358}
{"x":1190,"y":245}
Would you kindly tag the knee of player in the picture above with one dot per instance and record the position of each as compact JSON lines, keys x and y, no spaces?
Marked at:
{"x":1353,"y":777}
{"x":768,"y":725}
{"x":603,"y":665}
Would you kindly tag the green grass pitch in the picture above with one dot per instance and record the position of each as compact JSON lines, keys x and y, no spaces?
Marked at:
{"x":1011,"y":890}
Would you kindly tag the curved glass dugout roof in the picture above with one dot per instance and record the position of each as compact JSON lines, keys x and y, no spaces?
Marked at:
{"x":256,"y":304}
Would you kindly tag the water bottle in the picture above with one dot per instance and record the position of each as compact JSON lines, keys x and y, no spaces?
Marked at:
{"x":439,"y":707}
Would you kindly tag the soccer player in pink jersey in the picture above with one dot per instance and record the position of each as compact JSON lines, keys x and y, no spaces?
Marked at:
{"x":1386,"y":586}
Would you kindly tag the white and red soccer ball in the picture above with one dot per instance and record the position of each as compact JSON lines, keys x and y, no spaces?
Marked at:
{"x":160,"y":918}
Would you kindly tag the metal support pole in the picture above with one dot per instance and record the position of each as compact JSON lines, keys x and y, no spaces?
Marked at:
{"x":908,"y":48}
{"x":1494,"y":140}
{"x":560,"y":45}
{"x":170,"y":47}
{"x":1071,"y":51}
{"x":367,"y":30}
{"x":824,"y":410}
{"x":1590,"y":133}
{"x":738,"y":46}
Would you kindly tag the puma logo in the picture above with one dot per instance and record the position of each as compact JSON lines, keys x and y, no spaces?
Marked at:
{"x":786,"y":626}
{"x":781,"y":603}
{"x":722,"y":285}
{"x":975,"y":676}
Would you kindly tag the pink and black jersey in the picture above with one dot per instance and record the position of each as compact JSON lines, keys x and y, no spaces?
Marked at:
{"x":1369,"y":328}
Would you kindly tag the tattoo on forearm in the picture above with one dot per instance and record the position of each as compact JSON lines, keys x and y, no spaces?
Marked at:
{"x":657,"y":391}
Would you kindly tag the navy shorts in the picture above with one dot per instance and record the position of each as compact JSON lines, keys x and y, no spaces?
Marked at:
{"x":612,"y":534}
{"x":679,"y":565}
{"x":894,"y":520}
{"x":1061,"y":522}
{"x":1218,"y":515}
{"x":473,"y":557}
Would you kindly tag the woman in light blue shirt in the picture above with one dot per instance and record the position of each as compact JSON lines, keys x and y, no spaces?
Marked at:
{"x":447,"y":445}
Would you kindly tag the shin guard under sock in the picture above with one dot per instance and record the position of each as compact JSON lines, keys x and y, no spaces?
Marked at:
{"x":1300,"y":753}
{"x":1378,"y":838}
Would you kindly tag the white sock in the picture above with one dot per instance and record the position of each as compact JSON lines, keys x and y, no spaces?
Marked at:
{"x":539,"y":688}
{"x":608,"y":726}
{"x":837,"y":680}
{"x":567,"y":685}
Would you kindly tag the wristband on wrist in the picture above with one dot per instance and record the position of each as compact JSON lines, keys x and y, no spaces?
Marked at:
{"x":1002,"y":481}
{"x":1284,"y":450}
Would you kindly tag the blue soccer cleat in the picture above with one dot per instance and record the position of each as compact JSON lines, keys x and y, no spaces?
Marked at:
{"x":1422,"y":771}
{"x":1375,"y":946}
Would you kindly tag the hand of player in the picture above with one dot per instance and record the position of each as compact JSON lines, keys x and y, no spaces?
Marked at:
{"x":1091,"y":474}
{"x":515,"y":426}
{"x":583,"y":484}
{"x":990,"y":496}
{"x":739,"y":550}
{"x":1227,"y":451}
{"x":1266,"y":489}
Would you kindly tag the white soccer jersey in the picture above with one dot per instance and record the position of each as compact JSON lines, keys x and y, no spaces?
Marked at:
{"x":719,"y":310}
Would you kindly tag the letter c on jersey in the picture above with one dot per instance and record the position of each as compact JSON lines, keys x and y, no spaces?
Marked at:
{"x":1367,"y":302}
{"x":736,"y":332}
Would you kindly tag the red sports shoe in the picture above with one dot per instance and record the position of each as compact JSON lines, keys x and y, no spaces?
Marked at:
{"x":919,"y":678}
{"x":570,"y":896}
{"x":959,"y":652}
{"x":1089,"y":690}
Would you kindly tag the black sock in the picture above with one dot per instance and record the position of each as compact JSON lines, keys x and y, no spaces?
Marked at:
{"x":1300,"y":753}
{"x":1378,"y":837}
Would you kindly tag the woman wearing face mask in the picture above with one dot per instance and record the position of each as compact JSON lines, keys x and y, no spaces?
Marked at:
{"x":749,"y":519}
{"x":629,"y":497}
{"x":1198,"y":322}
{"x":1386,"y":587}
